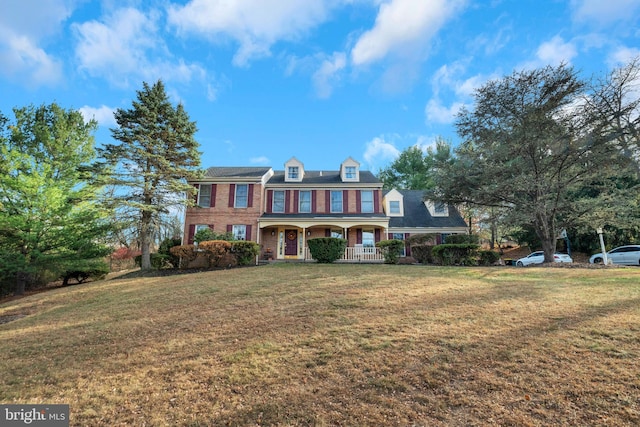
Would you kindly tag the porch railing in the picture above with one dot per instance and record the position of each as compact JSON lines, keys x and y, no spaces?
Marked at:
{"x":355,"y":254}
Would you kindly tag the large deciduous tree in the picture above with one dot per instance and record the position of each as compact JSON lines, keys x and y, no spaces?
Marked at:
{"x":50,"y":221}
{"x":533,"y":140}
{"x":156,"y":156}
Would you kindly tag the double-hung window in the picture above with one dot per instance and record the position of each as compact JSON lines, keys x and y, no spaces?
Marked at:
{"x":368,"y":239}
{"x":366,"y":201}
{"x":204,"y":195}
{"x":304,"y":203}
{"x":350,"y":172}
{"x":394,"y":207}
{"x":336,"y":201}
{"x":293,"y":172}
{"x":239,"y":232}
{"x":278,"y":201}
{"x":439,"y":208}
{"x":242,"y":195}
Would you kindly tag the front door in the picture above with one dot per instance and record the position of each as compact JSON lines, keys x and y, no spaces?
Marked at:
{"x":291,"y":242}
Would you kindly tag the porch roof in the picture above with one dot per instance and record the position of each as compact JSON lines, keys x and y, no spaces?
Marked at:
{"x":307,"y":220}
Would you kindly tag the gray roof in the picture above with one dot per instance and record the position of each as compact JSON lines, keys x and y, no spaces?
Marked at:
{"x":417,"y":215}
{"x":236,"y":172}
{"x":323,"y":177}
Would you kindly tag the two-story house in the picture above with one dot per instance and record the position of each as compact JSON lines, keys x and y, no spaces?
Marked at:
{"x":282,"y":209}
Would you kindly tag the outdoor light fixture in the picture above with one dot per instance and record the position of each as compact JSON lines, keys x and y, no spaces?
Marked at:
{"x":273,"y":233}
{"x":308,"y":233}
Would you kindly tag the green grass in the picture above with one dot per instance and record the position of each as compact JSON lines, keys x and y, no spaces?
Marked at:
{"x":323,"y":345}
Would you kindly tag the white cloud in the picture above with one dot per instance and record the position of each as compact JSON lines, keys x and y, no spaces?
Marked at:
{"x":102,"y":114}
{"x":437,"y":113}
{"x":378,"y":152}
{"x":556,"y":51}
{"x":254,"y":24}
{"x":603,"y":13}
{"x":23,"y":60}
{"x":262,"y":160}
{"x":403,"y":27}
{"x":24,"y":30}
{"x":623,"y":55}
{"x":328,"y":74}
{"x":126,"y":46}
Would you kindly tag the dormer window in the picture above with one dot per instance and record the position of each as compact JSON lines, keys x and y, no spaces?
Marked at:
{"x":293,"y":170}
{"x":394,"y":207}
{"x":350,"y":172}
{"x":393,"y":203}
{"x":293,"y":173}
{"x":437,"y":208}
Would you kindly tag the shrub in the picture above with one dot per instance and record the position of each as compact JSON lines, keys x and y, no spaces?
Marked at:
{"x":186,"y":253}
{"x":214,"y":250}
{"x":92,"y":269}
{"x":461,"y":239}
{"x":227,"y":260}
{"x":391,"y":249}
{"x":171,"y":260}
{"x":207,"y":234}
{"x":456,"y":254}
{"x":245,"y":251}
{"x":327,"y":249}
{"x":488,"y":257}
{"x":422,"y":239}
{"x":158,"y":260}
{"x":423,"y":253}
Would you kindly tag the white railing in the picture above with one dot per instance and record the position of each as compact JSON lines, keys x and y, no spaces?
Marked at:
{"x":355,"y":254}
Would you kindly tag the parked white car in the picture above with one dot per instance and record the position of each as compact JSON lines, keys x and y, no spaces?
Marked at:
{"x":625,"y":255}
{"x":538,"y":258}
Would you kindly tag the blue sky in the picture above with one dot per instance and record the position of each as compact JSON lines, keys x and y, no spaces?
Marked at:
{"x":320,"y":80}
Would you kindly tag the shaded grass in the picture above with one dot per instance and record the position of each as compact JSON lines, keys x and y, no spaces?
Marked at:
{"x":306,"y":344}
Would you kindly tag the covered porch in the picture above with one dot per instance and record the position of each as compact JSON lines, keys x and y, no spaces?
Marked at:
{"x":280,"y":240}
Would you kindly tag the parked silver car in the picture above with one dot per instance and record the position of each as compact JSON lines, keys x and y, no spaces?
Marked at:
{"x":625,"y":255}
{"x":538,"y":258}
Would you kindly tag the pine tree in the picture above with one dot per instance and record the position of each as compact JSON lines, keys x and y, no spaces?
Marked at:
{"x":156,"y":156}
{"x":50,"y":221}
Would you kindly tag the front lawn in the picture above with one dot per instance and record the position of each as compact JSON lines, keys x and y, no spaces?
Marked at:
{"x":325,"y":345}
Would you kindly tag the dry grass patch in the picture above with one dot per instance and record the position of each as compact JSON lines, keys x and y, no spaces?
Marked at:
{"x":324,"y":345}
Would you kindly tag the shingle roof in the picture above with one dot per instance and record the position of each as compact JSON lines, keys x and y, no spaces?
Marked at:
{"x":236,"y":172}
{"x":324,"y":177}
{"x":417,"y":215}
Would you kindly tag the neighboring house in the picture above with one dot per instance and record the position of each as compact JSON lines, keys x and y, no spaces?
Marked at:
{"x":281,"y":210}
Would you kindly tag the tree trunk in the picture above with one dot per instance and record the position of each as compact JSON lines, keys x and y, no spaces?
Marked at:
{"x":145,"y":242}
{"x":546,"y":233}
{"x":21,"y":282}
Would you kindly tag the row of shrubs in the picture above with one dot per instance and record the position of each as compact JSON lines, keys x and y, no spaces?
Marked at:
{"x":460,"y":249}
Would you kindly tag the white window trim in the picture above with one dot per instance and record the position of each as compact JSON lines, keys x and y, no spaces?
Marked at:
{"x":300,"y":201}
{"x":341,"y":201}
{"x":273,"y":201}
{"x":235,"y":198}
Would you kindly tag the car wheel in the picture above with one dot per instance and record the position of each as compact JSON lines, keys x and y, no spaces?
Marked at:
{"x":597,"y":260}
{"x":519,"y":264}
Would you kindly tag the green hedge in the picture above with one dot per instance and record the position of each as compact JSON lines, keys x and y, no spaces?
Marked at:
{"x":456,"y":254}
{"x":245,"y":251}
{"x":391,"y":249}
{"x":423,"y":253}
{"x":488,"y":257}
{"x":327,"y":249}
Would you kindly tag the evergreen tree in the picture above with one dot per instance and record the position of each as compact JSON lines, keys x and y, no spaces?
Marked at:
{"x":156,"y":155}
{"x":49,"y":218}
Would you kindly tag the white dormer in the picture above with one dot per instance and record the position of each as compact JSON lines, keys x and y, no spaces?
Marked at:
{"x":293,"y":170}
{"x":394,"y":203}
{"x":350,"y":171}
{"x":437,"y":208}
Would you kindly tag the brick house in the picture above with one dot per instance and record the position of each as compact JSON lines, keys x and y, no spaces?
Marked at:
{"x":281,"y":210}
